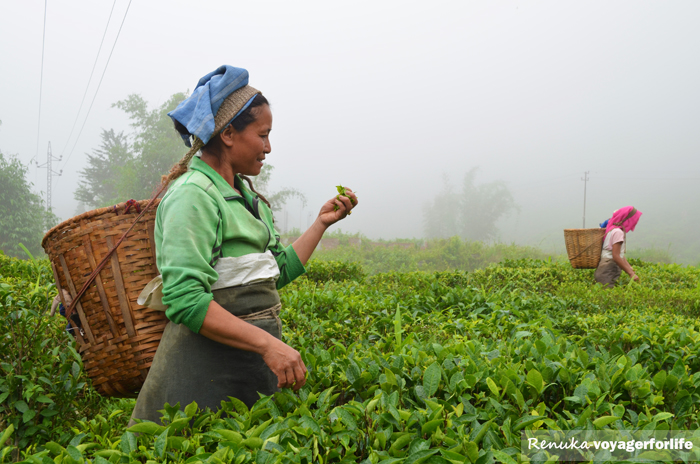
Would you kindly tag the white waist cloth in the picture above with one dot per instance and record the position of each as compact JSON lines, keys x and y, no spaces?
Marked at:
{"x":233,"y":272}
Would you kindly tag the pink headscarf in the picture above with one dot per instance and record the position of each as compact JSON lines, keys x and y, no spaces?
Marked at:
{"x":624,"y":218}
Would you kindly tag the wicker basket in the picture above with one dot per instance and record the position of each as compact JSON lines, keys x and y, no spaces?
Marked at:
{"x":119,"y":337}
{"x":584,"y":247}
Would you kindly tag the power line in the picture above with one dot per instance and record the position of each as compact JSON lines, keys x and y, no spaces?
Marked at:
{"x":41,"y":81}
{"x":99,"y":84}
{"x":90,"y":79}
{"x":49,"y":174}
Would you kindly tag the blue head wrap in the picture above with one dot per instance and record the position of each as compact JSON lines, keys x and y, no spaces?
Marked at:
{"x":197,"y":113}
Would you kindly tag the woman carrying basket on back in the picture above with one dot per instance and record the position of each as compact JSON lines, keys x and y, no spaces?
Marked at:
{"x":221,"y":259}
{"x":612,"y":258}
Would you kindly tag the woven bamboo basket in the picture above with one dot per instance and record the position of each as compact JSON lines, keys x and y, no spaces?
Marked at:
{"x":119,"y":337}
{"x":584,"y":247}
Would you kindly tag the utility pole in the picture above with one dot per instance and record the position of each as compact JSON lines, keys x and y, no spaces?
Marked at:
{"x":585,"y":180}
{"x":49,"y":174}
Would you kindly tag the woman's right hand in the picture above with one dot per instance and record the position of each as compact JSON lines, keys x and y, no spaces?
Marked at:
{"x":337,"y":208}
{"x":286,"y":363}
{"x":635,"y":277}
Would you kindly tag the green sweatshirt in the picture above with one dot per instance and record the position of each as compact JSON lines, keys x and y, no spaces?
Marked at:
{"x":202,"y":219}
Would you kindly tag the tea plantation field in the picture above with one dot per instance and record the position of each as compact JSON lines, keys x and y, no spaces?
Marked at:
{"x":444,"y":367}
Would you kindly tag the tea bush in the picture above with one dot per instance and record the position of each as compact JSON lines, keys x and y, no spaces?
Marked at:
{"x":431,"y":255}
{"x":323,"y":271}
{"x":443,"y":367}
{"x":42,"y":385}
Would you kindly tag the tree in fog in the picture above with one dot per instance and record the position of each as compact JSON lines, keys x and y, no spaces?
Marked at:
{"x":471,"y":212}
{"x":277,"y":199}
{"x":23,"y":215}
{"x":157,"y":145}
{"x":117,"y":172}
{"x":104,"y":180}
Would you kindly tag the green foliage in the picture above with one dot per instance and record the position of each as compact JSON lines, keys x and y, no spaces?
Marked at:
{"x":471,"y":214}
{"x":418,"y":255}
{"x":23,"y":217}
{"x":117,"y":172}
{"x":439,"y":367}
{"x":42,"y":372}
{"x":324,"y":271}
{"x":157,"y":145}
{"x":108,"y":168}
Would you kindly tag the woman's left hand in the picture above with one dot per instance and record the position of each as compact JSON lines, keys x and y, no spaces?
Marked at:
{"x":330,"y":215}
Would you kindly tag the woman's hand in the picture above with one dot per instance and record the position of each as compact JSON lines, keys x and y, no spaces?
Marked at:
{"x":286,"y":363}
{"x":331,"y":212}
{"x":330,"y":215}
{"x":634,"y":276}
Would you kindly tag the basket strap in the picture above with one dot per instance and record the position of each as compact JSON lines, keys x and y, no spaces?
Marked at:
{"x":629,"y":216}
{"x":107,"y":257}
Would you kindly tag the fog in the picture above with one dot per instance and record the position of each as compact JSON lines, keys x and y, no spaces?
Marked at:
{"x":386,"y":97}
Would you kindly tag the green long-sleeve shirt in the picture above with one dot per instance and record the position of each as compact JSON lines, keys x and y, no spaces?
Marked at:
{"x":200,"y":220}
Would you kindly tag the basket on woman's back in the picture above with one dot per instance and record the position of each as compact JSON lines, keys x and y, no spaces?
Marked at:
{"x":118,"y":337}
{"x":583,"y":247}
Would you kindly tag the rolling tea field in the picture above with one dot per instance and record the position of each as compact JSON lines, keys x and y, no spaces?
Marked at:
{"x":414,"y":367}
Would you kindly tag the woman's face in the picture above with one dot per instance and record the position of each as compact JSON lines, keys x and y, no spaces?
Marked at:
{"x":249,"y":147}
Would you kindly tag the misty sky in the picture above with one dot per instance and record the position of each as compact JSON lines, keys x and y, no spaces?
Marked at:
{"x":387,"y":96}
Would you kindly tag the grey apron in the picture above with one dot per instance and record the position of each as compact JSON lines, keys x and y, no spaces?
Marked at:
{"x":190,"y":367}
{"x":607,"y":272}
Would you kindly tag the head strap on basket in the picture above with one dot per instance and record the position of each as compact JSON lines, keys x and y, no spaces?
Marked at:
{"x":629,"y":216}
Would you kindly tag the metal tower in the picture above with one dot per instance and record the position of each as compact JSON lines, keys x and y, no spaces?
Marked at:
{"x":49,"y":174}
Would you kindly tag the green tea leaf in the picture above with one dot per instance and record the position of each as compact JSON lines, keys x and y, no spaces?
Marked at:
{"x":429,"y":427}
{"x":525,"y":421}
{"x":492,"y":386}
{"x":503,"y":457}
{"x":472,"y":451}
{"x":662,"y":416}
{"x":230,"y":435}
{"x":53,"y":447}
{"x":160,"y":443}
{"x":147,"y":427}
{"x":239,"y":405}
{"x":21,"y":406}
{"x":534,"y":378}
{"x":191,"y":409}
{"x":252,"y":443}
{"x":431,"y":379}
{"x":74,"y":453}
{"x":128,"y":442}
{"x":605,"y":420}
{"x":420,"y":456}
{"x":347,"y":418}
